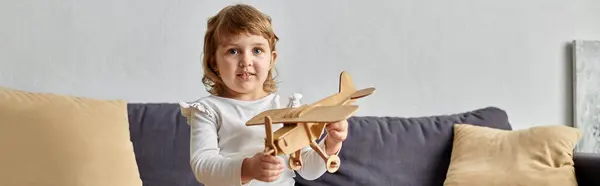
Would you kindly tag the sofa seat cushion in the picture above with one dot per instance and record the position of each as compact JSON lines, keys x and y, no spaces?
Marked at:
{"x":59,"y":140}
{"x":402,"y":151}
{"x":540,"y":155}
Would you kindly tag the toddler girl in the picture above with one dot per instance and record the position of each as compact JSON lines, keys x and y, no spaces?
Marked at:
{"x":239,"y":59}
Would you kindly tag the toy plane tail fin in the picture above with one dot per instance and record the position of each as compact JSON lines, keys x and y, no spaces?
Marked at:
{"x":346,"y":83}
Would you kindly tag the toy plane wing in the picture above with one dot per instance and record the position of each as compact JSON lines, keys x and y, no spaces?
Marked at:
{"x":318,"y":114}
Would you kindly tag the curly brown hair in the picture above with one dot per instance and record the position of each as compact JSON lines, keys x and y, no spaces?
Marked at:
{"x":233,"y":20}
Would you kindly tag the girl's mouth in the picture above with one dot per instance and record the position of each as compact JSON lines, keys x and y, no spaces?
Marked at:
{"x":244,"y":75}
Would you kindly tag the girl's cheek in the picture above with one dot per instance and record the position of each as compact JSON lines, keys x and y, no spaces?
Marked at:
{"x":229,"y":61}
{"x":261,"y":66}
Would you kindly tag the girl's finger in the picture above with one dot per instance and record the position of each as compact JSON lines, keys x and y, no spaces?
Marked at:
{"x":271,"y":166}
{"x":270,"y":176}
{"x":335,"y":129}
{"x":270,"y":159}
{"x":338,"y":135}
{"x":334,"y":125}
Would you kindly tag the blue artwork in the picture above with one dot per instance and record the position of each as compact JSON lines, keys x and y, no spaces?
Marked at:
{"x":586,"y":85}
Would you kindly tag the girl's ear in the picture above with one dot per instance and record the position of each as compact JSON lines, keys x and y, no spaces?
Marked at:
{"x":273,"y":59}
{"x":214,"y":67}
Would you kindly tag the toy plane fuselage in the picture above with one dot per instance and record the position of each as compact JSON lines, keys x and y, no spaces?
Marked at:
{"x":302,"y":126}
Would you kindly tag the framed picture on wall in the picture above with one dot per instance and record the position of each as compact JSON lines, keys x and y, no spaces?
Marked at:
{"x":586,"y":93}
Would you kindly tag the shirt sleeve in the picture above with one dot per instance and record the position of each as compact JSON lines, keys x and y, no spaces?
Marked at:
{"x":208,"y":166}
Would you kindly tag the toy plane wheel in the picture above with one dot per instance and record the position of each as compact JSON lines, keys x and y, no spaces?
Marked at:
{"x":294,"y":164}
{"x":333,"y":163}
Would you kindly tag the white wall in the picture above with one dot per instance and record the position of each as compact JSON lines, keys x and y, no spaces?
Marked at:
{"x":424,"y":57}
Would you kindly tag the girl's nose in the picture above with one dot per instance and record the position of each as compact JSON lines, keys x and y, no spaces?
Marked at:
{"x":246,"y":61}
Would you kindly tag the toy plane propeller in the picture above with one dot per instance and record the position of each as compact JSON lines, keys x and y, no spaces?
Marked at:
{"x":302,"y":126}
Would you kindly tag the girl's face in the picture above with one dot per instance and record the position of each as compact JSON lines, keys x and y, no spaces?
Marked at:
{"x":243,"y":62}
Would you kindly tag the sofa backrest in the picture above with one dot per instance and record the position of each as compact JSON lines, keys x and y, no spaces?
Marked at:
{"x":402,"y":151}
{"x":378,"y":151}
{"x":161,"y":141}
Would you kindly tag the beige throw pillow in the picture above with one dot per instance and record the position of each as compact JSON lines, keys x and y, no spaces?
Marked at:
{"x":492,"y":157}
{"x":56,"y":140}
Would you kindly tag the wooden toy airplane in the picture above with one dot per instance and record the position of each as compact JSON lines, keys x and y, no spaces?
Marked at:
{"x":302,"y":126}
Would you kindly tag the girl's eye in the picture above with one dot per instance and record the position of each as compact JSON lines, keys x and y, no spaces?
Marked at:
{"x":232,"y":51}
{"x":257,"y":50}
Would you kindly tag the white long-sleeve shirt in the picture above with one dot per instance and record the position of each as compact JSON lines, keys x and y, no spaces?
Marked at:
{"x":220,"y":141}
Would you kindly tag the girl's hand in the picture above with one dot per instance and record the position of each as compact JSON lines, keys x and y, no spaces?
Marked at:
{"x":266,"y":168}
{"x":336,"y":133}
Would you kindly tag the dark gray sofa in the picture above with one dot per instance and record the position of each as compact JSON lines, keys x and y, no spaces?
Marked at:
{"x":379,"y":150}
